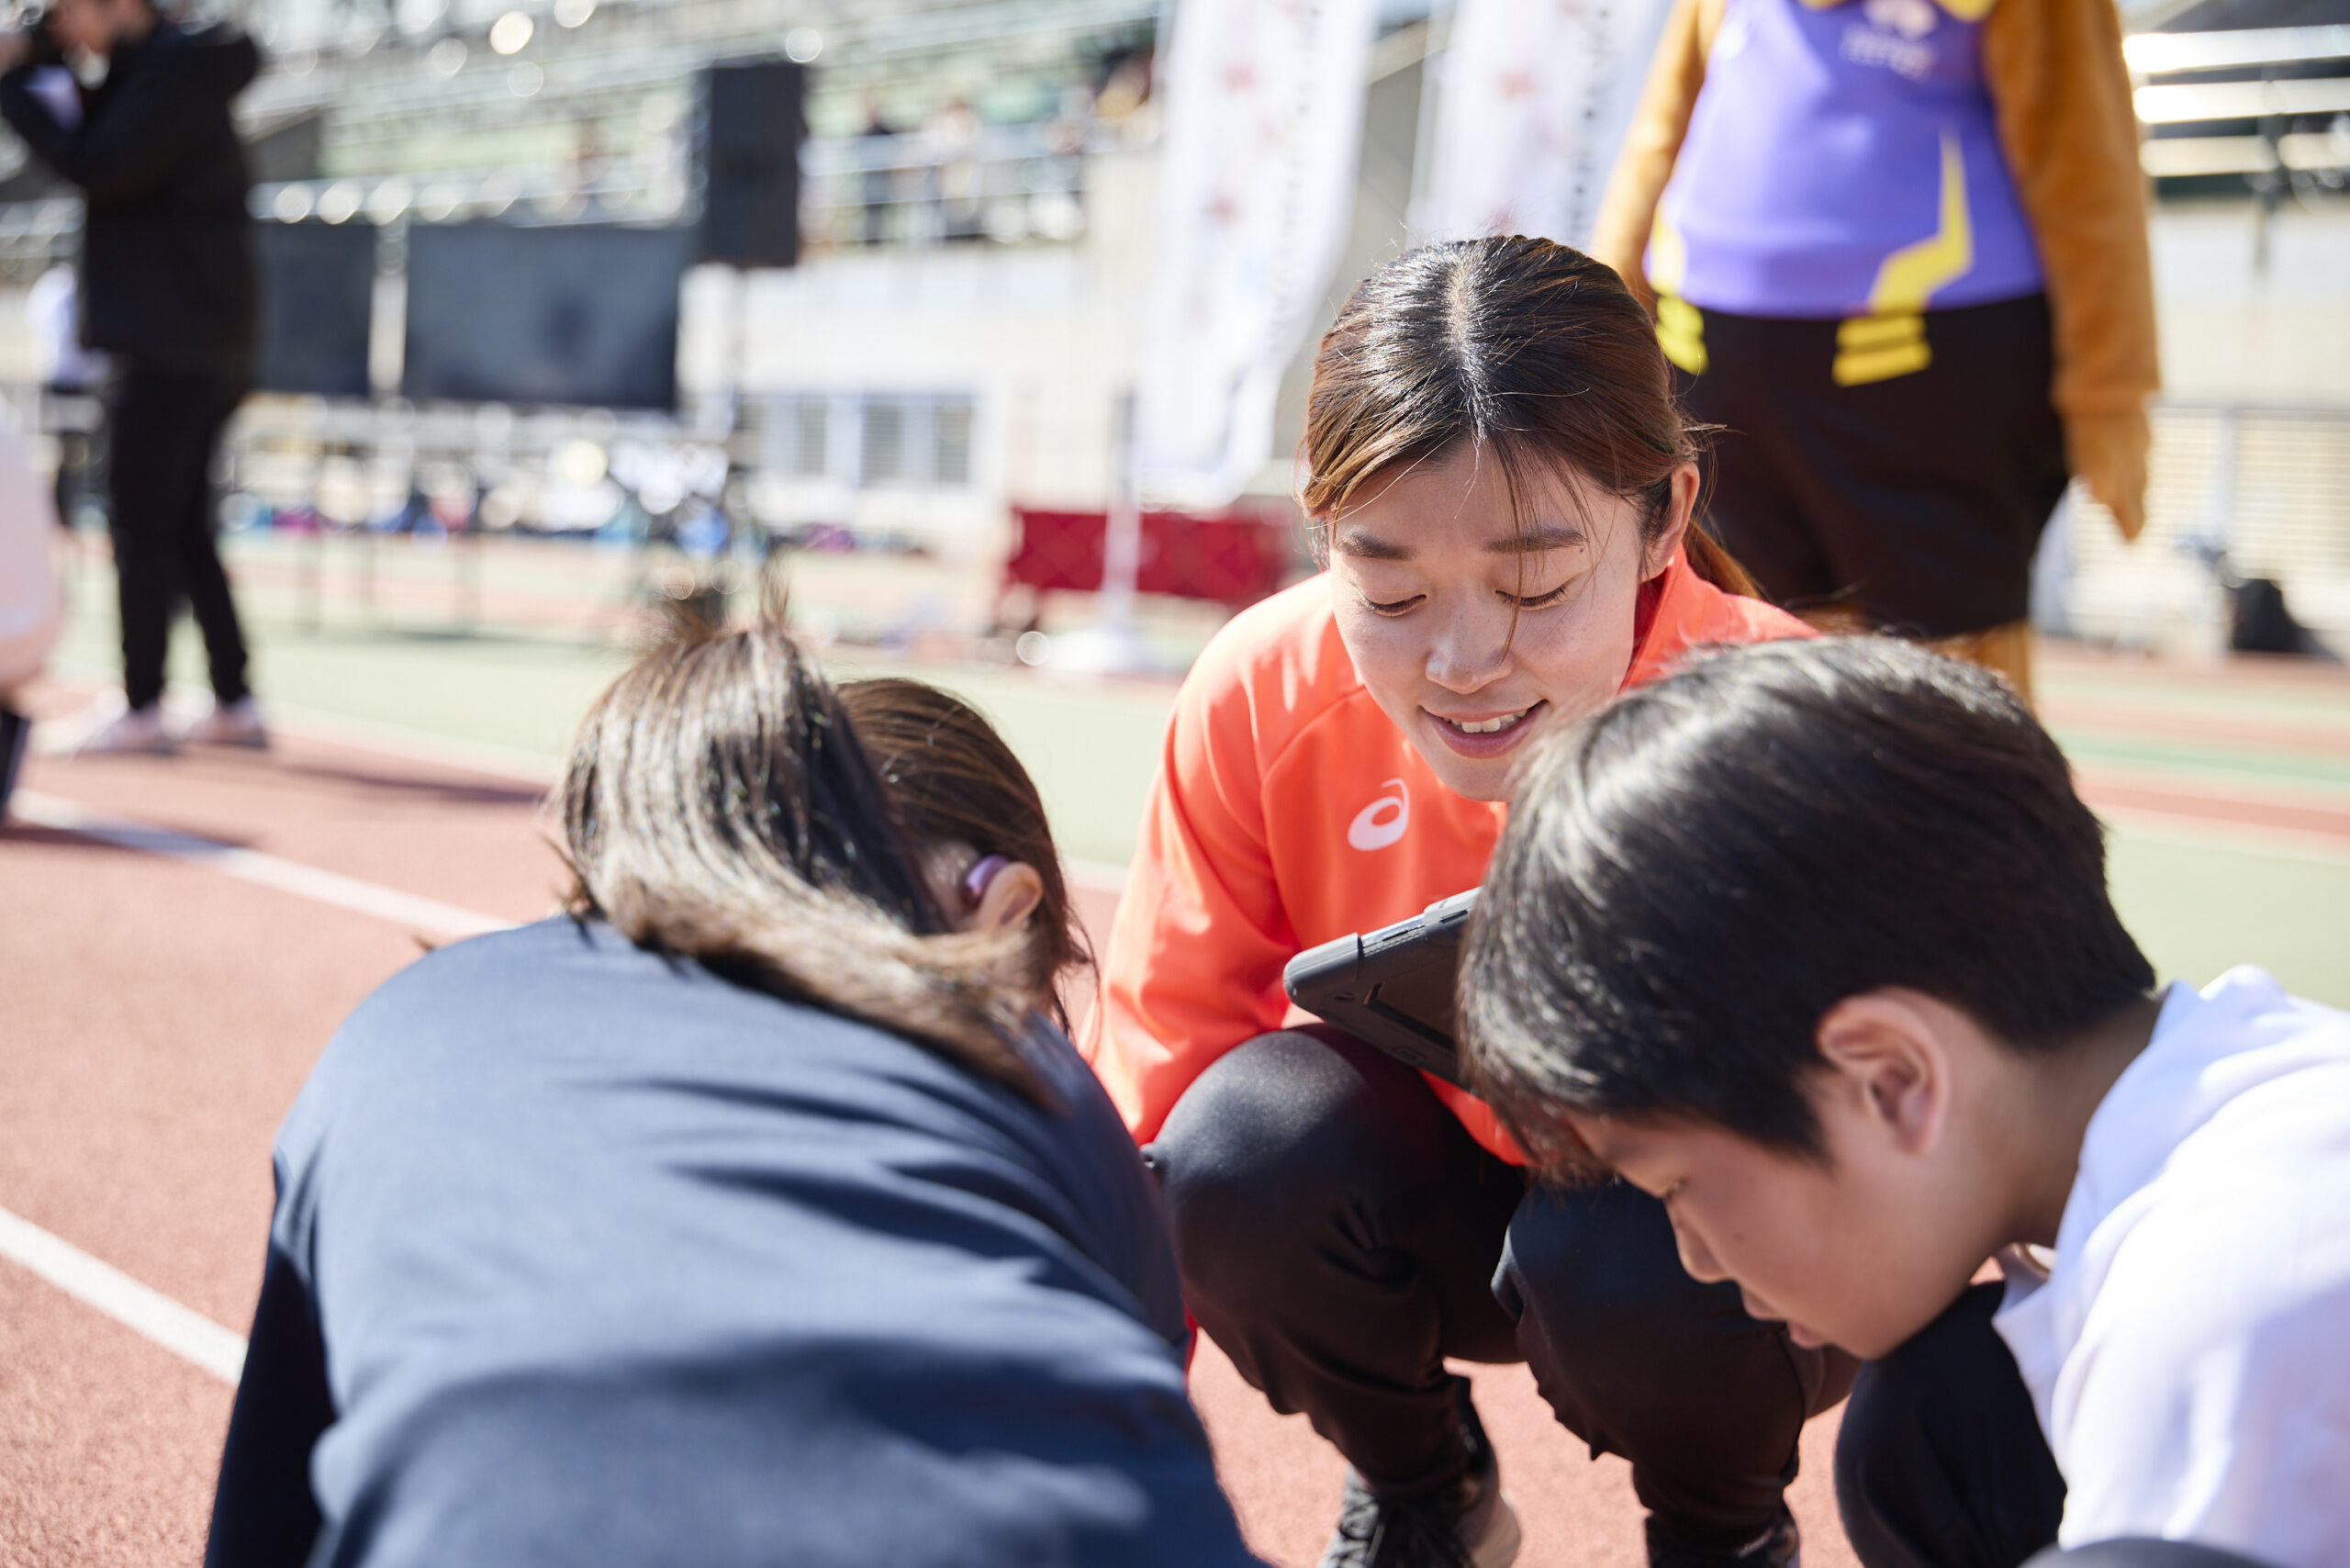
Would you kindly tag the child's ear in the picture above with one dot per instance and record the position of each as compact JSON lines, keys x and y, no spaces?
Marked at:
{"x":1889,"y":1066}
{"x":1013,"y":895}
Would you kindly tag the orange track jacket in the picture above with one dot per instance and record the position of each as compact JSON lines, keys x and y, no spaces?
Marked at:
{"x":1289,"y":810}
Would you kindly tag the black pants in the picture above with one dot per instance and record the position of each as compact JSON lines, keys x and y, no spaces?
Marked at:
{"x":1917,"y":501}
{"x":1942,"y":1464}
{"x":1340,"y":1234}
{"x":166,"y":432}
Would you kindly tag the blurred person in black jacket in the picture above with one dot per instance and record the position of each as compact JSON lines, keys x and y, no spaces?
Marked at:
{"x":169,"y":290}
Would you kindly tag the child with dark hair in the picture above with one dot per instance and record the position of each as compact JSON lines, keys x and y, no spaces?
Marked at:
{"x":1812,"y":941}
{"x":987,"y":846}
{"x":752,"y":1213}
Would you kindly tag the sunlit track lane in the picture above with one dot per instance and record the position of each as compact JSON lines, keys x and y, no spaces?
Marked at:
{"x":159,"y":1020}
{"x":109,"y":1444}
{"x":467,"y":838}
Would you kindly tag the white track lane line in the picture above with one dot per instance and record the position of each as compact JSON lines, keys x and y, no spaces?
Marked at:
{"x":262,"y":871}
{"x":182,"y":1330}
{"x":506,"y":762}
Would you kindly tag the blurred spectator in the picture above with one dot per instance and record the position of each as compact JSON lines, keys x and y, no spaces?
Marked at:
{"x":52,"y":309}
{"x":950,"y":140}
{"x":877,"y":193}
{"x":169,"y":291}
{"x":69,"y":372}
{"x":1900,"y":246}
{"x":31,"y":607}
{"x":1125,"y":91}
{"x":1065,"y":136}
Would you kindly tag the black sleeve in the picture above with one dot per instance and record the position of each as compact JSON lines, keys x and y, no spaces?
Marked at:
{"x":263,"y":1514}
{"x":132,"y":145}
{"x":26,"y":114}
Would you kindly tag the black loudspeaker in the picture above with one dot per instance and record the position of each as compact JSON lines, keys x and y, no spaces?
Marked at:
{"x":752,"y":126}
{"x":318,"y":292}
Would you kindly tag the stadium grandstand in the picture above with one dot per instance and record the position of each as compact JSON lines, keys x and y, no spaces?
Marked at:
{"x":973,"y":218}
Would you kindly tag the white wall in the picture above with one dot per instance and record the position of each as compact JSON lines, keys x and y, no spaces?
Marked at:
{"x":2232,"y":332}
{"x":1043,"y":338}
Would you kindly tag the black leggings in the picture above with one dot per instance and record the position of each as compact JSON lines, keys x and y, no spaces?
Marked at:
{"x":165,"y":433}
{"x":1340,"y":1234}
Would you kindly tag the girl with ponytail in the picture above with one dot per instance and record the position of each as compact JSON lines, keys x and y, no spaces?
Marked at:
{"x":1505,"y":495}
{"x":749,"y":1212}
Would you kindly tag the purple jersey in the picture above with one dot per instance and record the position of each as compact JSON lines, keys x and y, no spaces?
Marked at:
{"x":1842,"y":162}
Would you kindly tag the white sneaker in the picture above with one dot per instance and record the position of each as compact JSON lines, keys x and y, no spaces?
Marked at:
{"x":132,"y":732}
{"x":237,"y":724}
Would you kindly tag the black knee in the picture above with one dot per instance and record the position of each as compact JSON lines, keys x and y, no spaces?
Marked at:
{"x":1595,"y":1273}
{"x":1597,"y":1263}
{"x":1283,"y":1137}
{"x":1640,"y":1359}
{"x":1941,"y":1457}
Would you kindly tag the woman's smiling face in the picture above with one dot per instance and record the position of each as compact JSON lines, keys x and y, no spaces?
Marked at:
{"x":1475,"y":632}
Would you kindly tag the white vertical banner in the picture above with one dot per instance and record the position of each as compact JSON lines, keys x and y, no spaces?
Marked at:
{"x":1534,"y":97}
{"x":1263,"y":121}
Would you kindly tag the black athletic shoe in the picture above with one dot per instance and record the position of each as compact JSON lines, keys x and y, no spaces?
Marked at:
{"x":1781,"y":1546}
{"x":1467,"y":1524}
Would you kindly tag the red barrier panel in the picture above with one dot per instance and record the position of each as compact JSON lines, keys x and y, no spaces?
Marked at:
{"x":1057,"y":550}
{"x":1236,"y":557}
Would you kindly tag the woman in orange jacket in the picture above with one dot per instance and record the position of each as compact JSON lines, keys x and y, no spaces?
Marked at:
{"x":1502,"y":487}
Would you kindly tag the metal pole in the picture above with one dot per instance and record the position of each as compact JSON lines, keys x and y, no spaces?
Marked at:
{"x":1122,"y":541}
{"x":1111,"y":646}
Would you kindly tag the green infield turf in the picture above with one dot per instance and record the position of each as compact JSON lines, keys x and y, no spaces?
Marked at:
{"x":2200,"y":897}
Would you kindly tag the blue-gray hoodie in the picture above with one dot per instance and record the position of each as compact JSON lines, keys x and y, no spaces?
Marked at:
{"x":586,"y":1257}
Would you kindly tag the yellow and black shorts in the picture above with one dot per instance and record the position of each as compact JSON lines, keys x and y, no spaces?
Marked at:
{"x":1900,"y":470}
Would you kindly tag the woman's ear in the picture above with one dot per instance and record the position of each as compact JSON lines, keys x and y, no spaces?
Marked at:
{"x":1678,"y":510}
{"x":1890,"y":1071}
{"x":1011,"y":896}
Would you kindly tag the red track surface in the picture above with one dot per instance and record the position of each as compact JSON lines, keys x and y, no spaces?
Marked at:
{"x":159,"y":1018}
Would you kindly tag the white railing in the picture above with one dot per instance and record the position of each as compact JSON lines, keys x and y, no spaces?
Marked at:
{"x":2277,"y":148}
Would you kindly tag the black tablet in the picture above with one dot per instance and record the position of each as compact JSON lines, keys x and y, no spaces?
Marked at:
{"x":1392,"y":987}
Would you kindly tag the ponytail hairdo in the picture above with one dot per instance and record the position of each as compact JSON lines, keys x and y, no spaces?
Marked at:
{"x":719,"y":807}
{"x":1521,"y":347}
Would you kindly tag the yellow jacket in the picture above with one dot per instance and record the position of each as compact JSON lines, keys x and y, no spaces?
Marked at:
{"x":2061,"y":98}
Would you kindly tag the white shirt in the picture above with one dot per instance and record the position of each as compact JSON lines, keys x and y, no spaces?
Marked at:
{"x":59,"y":358}
{"x":32,"y":599}
{"x":2189,"y":1353}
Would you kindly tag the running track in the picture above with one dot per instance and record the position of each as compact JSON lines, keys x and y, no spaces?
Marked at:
{"x":180,"y":938}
